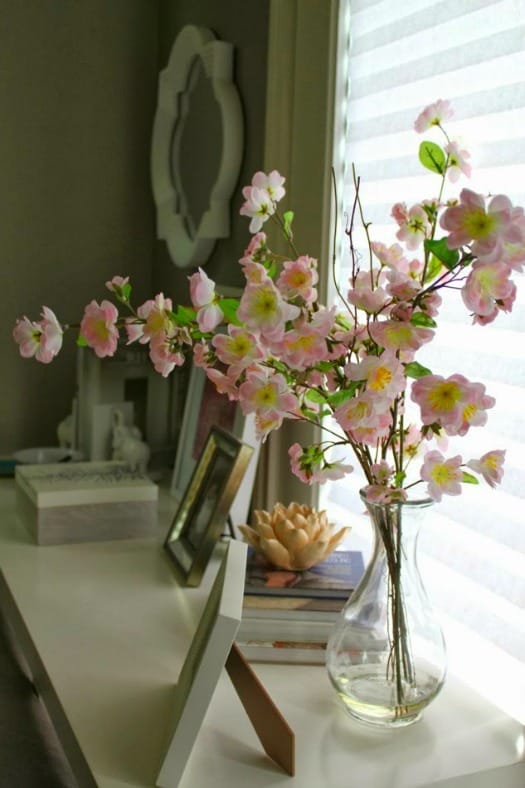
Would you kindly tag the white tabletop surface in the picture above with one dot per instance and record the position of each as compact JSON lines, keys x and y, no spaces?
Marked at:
{"x":112,"y":628}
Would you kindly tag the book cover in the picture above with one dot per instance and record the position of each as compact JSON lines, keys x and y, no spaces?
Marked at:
{"x":67,"y":484}
{"x":333,"y":578}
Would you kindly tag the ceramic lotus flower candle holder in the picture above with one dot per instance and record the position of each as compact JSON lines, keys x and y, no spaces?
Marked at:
{"x":293,"y":537}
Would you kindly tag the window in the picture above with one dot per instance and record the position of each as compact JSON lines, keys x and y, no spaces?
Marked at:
{"x":394,"y":59}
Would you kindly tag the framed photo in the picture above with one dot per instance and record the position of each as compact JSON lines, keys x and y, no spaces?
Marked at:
{"x":202,"y":512}
{"x":205,"y":661}
{"x":206,"y":408}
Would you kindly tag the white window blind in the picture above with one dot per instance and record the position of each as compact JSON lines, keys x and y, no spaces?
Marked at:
{"x":394,"y":59}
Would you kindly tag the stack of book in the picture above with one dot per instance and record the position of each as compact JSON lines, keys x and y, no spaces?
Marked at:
{"x":288,"y":616}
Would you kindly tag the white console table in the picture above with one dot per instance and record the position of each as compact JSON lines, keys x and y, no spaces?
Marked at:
{"x":105,"y":629}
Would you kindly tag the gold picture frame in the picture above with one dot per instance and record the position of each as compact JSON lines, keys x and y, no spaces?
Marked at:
{"x":201,"y":515}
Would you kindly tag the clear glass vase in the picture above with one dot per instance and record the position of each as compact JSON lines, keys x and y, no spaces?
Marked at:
{"x":386,"y":655}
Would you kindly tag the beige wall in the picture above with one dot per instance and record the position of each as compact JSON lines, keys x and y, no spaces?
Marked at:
{"x":78,"y":87}
{"x":243,"y":23}
{"x":77,"y":95}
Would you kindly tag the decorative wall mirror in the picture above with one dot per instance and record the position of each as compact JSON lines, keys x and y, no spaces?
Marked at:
{"x":197,"y":146}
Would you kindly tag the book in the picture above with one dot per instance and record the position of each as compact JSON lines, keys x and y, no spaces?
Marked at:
{"x":297,"y":607}
{"x":298,"y":652}
{"x":334,"y":578}
{"x":269,"y":629}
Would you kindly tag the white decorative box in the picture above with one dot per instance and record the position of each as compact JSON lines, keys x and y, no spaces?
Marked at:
{"x":85,"y":502}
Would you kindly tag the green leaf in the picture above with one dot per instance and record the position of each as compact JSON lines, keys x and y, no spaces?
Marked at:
{"x":432,"y":157}
{"x":433,"y":268}
{"x":288,"y":219}
{"x":315,"y":396}
{"x":340,"y":397}
{"x":271,"y":269}
{"x":416,"y":370}
{"x":81,"y":342}
{"x":126,"y":291}
{"x":449,"y":257}
{"x":399,"y":478}
{"x":312,"y":415}
{"x":468,"y":478}
{"x":184,"y":315}
{"x":229,"y":308}
{"x":423,"y":320}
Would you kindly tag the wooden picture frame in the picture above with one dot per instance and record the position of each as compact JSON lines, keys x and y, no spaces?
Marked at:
{"x":202,"y":512}
{"x":205,"y":407}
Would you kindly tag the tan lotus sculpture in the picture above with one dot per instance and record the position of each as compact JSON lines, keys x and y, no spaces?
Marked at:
{"x":293,"y":537}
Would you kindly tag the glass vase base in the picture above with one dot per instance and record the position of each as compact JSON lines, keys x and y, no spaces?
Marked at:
{"x":368,"y":697}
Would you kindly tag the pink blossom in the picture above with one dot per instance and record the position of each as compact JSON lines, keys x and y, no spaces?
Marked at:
{"x":26,"y":334}
{"x":43,"y":339}
{"x":485,"y":230}
{"x":255,"y":273}
{"x":259,"y":206}
{"x":401,"y":286}
{"x":202,"y":289}
{"x":203,"y":298}
{"x":263,"y":309}
{"x":303,"y":347}
{"x":225,"y":383}
{"x":98,"y":327}
{"x":366,"y":418}
{"x":116,"y":284}
{"x":135,"y":325}
{"x":255,"y":250}
{"x":163,"y":357}
{"x":378,"y":493}
{"x":474,"y":406}
{"x":264,"y":390}
{"x":431,"y":304}
{"x":273,"y":183}
{"x":364,"y":297}
{"x":266,"y":422}
{"x":201,"y":355}
{"x":298,"y":278}
{"x":382,"y":471}
{"x":443,"y":476}
{"x":490,"y":466}
{"x":414,"y":226}
{"x":457,"y":162}
{"x":315,"y":469}
{"x":399,"y":334}
{"x":383,"y":375}
{"x":305,"y":344}
{"x":514,"y":253}
{"x":238,"y":347}
{"x":454,"y":402}
{"x":156,"y":317}
{"x":488,"y":288}
{"x":433,"y":115}
{"x":391,"y":256}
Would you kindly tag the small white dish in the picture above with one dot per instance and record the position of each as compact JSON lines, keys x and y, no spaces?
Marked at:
{"x":47,"y":454}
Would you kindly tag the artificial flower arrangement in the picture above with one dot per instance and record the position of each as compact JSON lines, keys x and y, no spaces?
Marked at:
{"x":283,"y":355}
{"x":350,"y":369}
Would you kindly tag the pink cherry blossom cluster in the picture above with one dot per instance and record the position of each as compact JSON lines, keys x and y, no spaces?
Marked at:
{"x":281,"y":354}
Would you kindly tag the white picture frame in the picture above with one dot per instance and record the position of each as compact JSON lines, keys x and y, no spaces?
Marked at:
{"x":204,"y":662}
{"x":205,"y":408}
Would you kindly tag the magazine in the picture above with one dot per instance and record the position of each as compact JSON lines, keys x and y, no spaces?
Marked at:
{"x":334,"y":578}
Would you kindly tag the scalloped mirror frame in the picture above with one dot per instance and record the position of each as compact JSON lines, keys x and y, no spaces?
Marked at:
{"x":191,"y":250}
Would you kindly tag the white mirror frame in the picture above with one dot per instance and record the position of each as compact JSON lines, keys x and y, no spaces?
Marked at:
{"x":191,"y":250}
